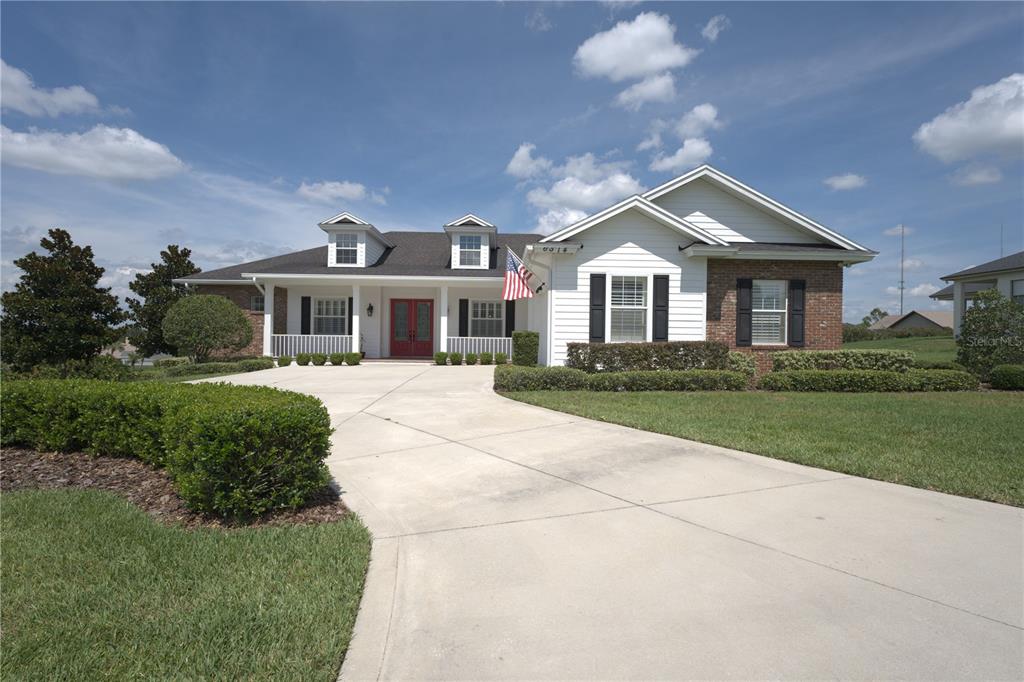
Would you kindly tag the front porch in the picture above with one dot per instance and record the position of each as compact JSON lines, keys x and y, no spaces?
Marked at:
{"x":387,"y":320}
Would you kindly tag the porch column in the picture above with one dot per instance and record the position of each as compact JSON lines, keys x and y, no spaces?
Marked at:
{"x":443,"y":304}
{"x":268,"y":319}
{"x":356,"y":310}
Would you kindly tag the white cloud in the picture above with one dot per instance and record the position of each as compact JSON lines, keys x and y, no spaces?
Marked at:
{"x":659,"y":88}
{"x":694,"y":152}
{"x":633,"y":49}
{"x":103,"y":152}
{"x":714,"y":27}
{"x":587,"y":168}
{"x":990,"y":121}
{"x":913,"y":263}
{"x":973,"y":174}
{"x":332,"y":190}
{"x":381,"y":197}
{"x":895,"y":231}
{"x":653,"y":139}
{"x":697,"y":121}
{"x":576,"y":193}
{"x":524,"y":164}
{"x":925,"y":289}
{"x":555,"y":219}
{"x":846,"y":181}
{"x":19,"y":93}
{"x":537,"y":20}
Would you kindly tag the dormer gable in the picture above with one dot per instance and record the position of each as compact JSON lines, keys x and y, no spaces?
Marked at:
{"x":352,"y":242}
{"x":472,"y":240}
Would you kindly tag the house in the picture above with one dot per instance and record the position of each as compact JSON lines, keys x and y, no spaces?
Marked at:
{"x":702,"y":256}
{"x":939,"y":321}
{"x":1003,"y":274}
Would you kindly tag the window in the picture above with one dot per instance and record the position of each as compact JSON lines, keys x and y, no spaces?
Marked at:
{"x":487,"y":318}
{"x":768,"y":312}
{"x":1017,"y":290}
{"x":347,"y":249}
{"x":256,"y":303}
{"x":470,"y":246}
{"x":329,"y":316}
{"x":629,"y":309}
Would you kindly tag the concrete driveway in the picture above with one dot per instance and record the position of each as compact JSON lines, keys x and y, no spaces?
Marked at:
{"x":512,"y":542}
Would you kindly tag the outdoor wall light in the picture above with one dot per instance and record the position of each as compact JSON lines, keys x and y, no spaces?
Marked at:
{"x":369,"y":310}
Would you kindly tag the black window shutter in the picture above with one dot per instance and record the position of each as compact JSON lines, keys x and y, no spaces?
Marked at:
{"x":797,"y":291}
{"x":463,"y":317}
{"x":306,"y":314}
{"x":510,"y":317}
{"x":661,"y":307}
{"x":744,"y":301}
{"x":597,"y":304}
{"x":348,"y":310}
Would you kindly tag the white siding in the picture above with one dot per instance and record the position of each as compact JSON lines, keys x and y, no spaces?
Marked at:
{"x":728,"y":217}
{"x":628,"y":244}
{"x":374,"y":249}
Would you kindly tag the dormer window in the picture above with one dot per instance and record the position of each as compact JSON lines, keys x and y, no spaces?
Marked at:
{"x":347,"y":249}
{"x":470,"y":248}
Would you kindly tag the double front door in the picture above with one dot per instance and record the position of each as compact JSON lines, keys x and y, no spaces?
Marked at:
{"x":412,"y":327}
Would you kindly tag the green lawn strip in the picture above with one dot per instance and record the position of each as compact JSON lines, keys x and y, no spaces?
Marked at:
{"x":93,"y":588}
{"x":961,"y":443}
{"x":926,"y":348}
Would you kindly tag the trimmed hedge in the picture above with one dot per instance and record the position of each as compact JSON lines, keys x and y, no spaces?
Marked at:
{"x":525,"y":348}
{"x":440,"y":358}
{"x":252,"y":365}
{"x":232,"y":451}
{"x":352,"y":358}
{"x":486,"y":358}
{"x":887,"y":360}
{"x":456,"y":358}
{"x":318,"y":359}
{"x":867,"y":381}
{"x":337,"y":359}
{"x":1007,"y":377}
{"x":569,"y":379}
{"x":628,"y":357}
{"x":500,"y":359}
{"x":742,"y":362}
{"x":171,"y":362}
{"x":302,"y":359}
{"x":471,"y":358}
{"x":938,"y":364}
{"x":284,"y":360}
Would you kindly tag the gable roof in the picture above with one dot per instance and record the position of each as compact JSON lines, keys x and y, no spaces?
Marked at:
{"x":756,"y":198}
{"x":943,"y":318}
{"x":344,"y":217}
{"x":469,"y":219}
{"x":649,"y":209}
{"x":415,"y":254}
{"x":1015,"y":261}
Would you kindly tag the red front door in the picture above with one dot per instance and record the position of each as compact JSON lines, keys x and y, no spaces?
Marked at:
{"x":412,"y":327}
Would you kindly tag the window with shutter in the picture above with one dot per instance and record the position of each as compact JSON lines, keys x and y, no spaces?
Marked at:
{"x":768,"y":312}
{"x":629,"y":308}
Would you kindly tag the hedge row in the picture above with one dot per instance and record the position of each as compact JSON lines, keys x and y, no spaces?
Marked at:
{"x":863,"y":381}
{"x":885,"y":360}
{"x":569,"y":379}
{"x":442,"y":358}
{"x":320,"y":359}
{"x":232,"y":451}
{"x":251,"y":365}
{"x":627,"y":357}
{"x":1007,"y":377}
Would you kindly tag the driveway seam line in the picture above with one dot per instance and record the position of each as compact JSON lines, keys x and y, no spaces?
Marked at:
{"x":745,"y":492}
{"x":509,"y":522}
{"x":384,"y":396}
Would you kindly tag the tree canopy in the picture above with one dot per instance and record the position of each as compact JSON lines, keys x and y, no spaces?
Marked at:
{"x":201,"y":324}
{"x":57,"y":310}
{"x":991,"y":333}
{"x":159,"y":293}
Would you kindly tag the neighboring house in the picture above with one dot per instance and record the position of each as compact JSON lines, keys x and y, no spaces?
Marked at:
{"x":700,"y":257}
{"x":1004,"y":274}
{"x":935,"y":320}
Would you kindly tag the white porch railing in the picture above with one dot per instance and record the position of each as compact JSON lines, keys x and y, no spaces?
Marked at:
{"x":293,"y":344}
{"x":480,"y":344}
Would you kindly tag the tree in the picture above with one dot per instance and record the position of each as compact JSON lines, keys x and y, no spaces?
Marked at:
{"x":991,"y":333}
{"x":874,"y":316}
{"x":57,"y":311}
{"x":159,"y":293}
{"x":200,"y":324}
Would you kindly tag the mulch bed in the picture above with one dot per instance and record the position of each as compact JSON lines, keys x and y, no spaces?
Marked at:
{"x":148,"y":488}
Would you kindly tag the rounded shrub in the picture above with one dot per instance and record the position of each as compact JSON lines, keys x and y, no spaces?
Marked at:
{"x":302,"y":359}
{"x":500,"y":358}
{"x":486,"y":358}
{"x":440,"y":358}
{"x":201,"y":324}
{"x":471,"y":358}
{"x":456,"y":358}
{"x":1007,"y":377}
{"x":318,"y":359}
{"x":352,"y":358}
{"x":337,"y":359}
{"x":284,"y":361}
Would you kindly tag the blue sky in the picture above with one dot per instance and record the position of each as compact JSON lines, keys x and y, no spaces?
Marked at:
{"x":234,"y":128}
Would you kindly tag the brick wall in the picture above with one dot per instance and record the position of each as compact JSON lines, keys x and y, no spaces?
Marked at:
{"x":240,"y":296}
{"x":823,"y":321}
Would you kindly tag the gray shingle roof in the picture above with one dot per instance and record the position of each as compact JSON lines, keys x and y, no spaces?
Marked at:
{"x":414,"y":254}
{"x":1015,"y":261}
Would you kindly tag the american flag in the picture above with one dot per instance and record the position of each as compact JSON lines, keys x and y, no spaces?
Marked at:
{"x":517,"y":279}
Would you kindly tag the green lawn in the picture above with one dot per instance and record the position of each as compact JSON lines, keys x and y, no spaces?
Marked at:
{"x":969,"y":444}
{"x":94,"y":589}
{"x":927,"y":348}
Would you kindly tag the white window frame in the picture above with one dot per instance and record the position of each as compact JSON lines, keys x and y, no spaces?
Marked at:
{"x":252,"y":303}
{"x":648,"y":317}
{"x":344,"y":315}
{"x":338,"y":248}
{"x":473,"y":318}
{"x":784,"y":310}
{"x":1019,"y":297}
{"x":479,"y":251}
